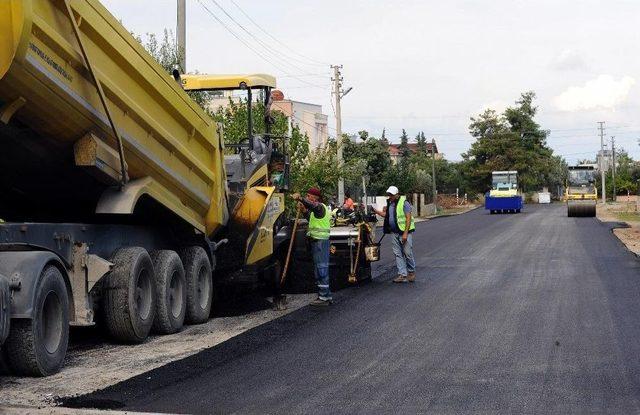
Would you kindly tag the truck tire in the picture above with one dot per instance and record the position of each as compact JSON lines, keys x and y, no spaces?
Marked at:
{"x":37,"y":346}
{"x":129,"y":297}
{"x":171,"y":292}
{"x":199,"y":277}
{"x":4,"y":366}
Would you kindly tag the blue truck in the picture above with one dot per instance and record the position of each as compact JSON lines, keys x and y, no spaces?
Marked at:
{"x":503,"y":196}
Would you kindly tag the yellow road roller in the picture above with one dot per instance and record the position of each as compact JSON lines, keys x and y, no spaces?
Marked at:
{"x":581,"y":193}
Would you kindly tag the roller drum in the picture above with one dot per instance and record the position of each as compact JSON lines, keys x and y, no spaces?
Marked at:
{"x":581,"y":209}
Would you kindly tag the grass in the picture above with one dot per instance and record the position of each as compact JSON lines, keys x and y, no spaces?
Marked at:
{"x":628,"y":216}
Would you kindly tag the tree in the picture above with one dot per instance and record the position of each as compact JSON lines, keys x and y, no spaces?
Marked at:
{"x":405,"y":151}
{"x":375,"y":155}
{"x":423,"y":182}
{"x":402,"y":177}
{"x":421,"y":140}
{"x":235,"y":121}
{"x":511,"y":141}
{"x":167,"y":54}
{"x":421,"y":159}
{"x":627,"y":175}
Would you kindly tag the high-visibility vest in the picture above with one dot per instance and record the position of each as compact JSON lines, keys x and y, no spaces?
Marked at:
{"x":319,"y":228}
{"x":401,"y":220}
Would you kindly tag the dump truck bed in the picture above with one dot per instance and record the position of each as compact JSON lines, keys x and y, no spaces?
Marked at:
{"x":172,"y":149}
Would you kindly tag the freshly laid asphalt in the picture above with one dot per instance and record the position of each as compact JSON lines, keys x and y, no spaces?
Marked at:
{"x":523,"y":313}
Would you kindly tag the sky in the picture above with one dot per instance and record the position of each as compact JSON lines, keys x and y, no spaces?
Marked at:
{"x":426,"y":65}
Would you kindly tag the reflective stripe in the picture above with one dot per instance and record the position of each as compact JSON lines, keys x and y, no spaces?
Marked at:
{"x":401,"y":220}
{"x":320,"y":228}
{"x":323,"y":286}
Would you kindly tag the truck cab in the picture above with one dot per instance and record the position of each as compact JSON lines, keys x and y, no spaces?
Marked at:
{"x":504,"y":196}
{"x":504,"y":184}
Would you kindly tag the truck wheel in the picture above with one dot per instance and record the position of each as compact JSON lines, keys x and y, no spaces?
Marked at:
{"x":4,"y":366}
{"x":171,"y":292}
{"x":129,"y":300}
{"x":199,"y":278}
{"x":36,"y":347}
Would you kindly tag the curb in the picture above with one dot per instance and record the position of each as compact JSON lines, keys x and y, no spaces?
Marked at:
{"x":450,"y":214}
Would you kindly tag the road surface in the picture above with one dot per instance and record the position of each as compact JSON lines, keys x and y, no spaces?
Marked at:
{"x":526,"y":313}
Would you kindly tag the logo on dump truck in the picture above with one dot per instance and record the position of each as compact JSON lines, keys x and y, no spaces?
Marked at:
{"x":53,"y":64}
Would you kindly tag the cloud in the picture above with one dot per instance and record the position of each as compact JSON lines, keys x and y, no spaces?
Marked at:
{"x":569,"y":60}
{"x":601,"y":92}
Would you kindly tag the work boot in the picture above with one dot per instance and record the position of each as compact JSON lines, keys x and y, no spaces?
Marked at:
{"x":320,"y":303}
{"x":400,"y":279}
{"x":411,"y":277}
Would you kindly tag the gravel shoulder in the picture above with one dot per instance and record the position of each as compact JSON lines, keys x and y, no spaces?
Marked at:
{"x":627,"y":217}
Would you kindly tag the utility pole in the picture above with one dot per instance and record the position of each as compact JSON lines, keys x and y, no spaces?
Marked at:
{"x":181,"y":34}
{"x":613,"y":171}
{"x":433,"y":173}
{"x":602,"y":160}
{"x":339,"y":94}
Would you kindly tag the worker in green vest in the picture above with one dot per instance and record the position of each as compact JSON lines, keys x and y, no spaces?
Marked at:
{"x":319,"y":216}
{"x":399,"y":223}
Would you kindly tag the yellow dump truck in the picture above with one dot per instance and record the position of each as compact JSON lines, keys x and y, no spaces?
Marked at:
{"x":115,"y":192}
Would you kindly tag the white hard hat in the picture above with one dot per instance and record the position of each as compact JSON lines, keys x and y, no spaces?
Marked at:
{"x":392,"y":190}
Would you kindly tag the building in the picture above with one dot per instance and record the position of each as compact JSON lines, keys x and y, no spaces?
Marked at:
{"x":395,"y":153}
{"x":308,"y":118}
{"x":593,"y":165}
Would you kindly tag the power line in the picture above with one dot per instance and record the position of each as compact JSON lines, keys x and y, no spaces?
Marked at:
{"x":212,"y":14}
{"x":319,"y":75}
{"x":275,"y":51}
{"x":241,"y":40}
{"x":310,"y":125}
{"x":277,"y":54}
{"x":318,"y":63}
{"x":303,"y":86}
{"x":574,"y":154}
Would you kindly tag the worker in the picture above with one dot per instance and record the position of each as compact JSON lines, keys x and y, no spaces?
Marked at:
{"x":399,"y":222}
{"x":318,"y":234}
{"x":348,"y":203}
